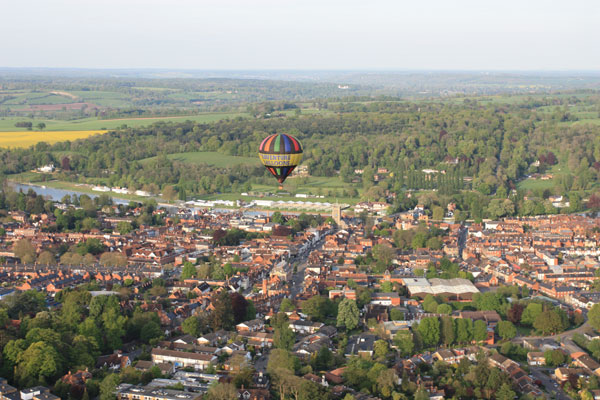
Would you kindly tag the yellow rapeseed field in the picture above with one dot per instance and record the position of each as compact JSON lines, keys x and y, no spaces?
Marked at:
{"x":28,"y":138}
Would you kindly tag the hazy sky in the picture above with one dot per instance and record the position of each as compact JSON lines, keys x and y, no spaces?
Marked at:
{"x":303,"y":34}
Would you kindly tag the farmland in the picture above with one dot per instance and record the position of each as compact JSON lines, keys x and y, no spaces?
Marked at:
{"x":7,"y":124}
{"x":29,"y":138}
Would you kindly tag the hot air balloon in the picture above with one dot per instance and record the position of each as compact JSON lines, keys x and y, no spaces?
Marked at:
{"x":280,"y":154}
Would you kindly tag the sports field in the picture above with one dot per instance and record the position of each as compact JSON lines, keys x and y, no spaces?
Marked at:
{"x":28,"y":138}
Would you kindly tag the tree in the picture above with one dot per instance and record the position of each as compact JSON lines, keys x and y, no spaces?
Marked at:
{"x":46,"y":258}
{"x":318,"y":308}
{"x":505,"y":392}
{"x":494,"y":380}
{"x":548,"y":322}
{"x":555,"y":358}
{"x":396,"y":314}
{"x":277,"y":218}
{"x":41,"y":126}
{"x":239,"y":306}
{"x":281,"y":359}
{"x":447,"y":330}
{"x":384,"y":254}
{"x":515,"y":312}
{"x":191,"y":326}
{"x":381,"y":348}
{"x":405,"y":343}
{"x":444,"y":309}
{"x":386,"y":381}
{"x":324,"y":359}
{"x":500,"y":207}
{"x":151,"y":330}
{"x":594,"y":316}
{"x":88,"y":260}
{"x":434,"y":243}
{"x":284,"y":337}
{"x":222,"y":316}
{"x":479,"y":330}
{"x":430,"y":304}
{"x":3,"y":318}
{"x":108,"y":386}
{"x":464,"y":330}
{"x":506,"y":330}
{"x":438,"y":213}
{"x":89,"y":223}
{"x":84,"y":351}
{"x":421,"y":394}
{"x":169,"y":193}
{"x":386,"y":287}
{"x":188,"y":270}
{"x":25,"y":251}
{"x":113,"y":259}
{"x":124,"y":227}
{"x":28,"y":302}
{"x":348,"y":314}
{"x":286,"y":305}
{"x":530,"y":313}
{"x":429,"y":330}
{"x":38,"y":364}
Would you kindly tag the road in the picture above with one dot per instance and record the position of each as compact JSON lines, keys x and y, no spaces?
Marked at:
{"x":559,"y":337}
{"x":566,"y":341}
{"x":551,"y":386}
{"x":261,"y":363}
{"x":302,"y":263}
{"x":297,"y":283}
{"x":462,"y":239}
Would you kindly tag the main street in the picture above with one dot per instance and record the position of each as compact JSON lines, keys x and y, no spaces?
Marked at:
{"x":301,"y":263}
{"x":297,"y":281}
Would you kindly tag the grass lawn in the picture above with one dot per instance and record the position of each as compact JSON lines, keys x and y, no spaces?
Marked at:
{"x":544,"y":184}
{"x":210,"y":158}
{"x":536,"y":184}
{"x":524,"y":331}
{"x":314,"y":185}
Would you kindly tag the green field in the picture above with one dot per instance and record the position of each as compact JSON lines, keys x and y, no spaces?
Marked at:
{"x":533,"y":184}
{"x":7,"y":124}
{"x":313,"y":185}
{"x":210,"y":158}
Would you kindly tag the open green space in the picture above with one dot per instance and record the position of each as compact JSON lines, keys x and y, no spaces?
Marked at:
{"x":210,"y":158}
{"x":7,"y":124}
{"x":532,"y":184}
{"x":331,"y":188}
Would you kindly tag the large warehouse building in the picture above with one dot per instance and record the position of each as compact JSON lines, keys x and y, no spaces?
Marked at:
{"x":453,"y":289}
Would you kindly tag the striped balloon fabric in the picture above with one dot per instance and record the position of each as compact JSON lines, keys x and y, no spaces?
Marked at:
{"x":280,"y":154}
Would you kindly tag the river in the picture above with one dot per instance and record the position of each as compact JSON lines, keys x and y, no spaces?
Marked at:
{"x":57,"y":195}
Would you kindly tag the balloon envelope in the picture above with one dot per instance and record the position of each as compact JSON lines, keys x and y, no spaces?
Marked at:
{"x":280,"y":154}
